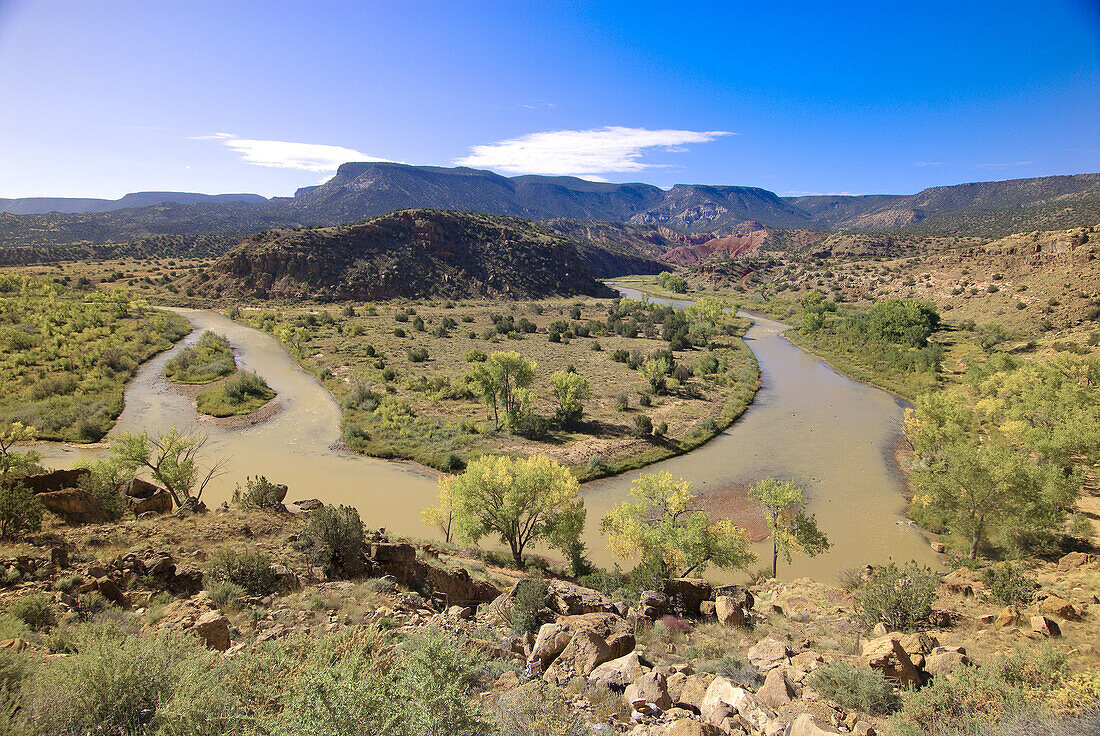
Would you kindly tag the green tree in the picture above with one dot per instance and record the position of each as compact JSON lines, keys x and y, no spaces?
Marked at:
{"x":520,"y":500}
{"x":172,"y":460}
{"x":659,"y":526}
{"x":571,"y":390}
{"x":502,"y":381}
{"x":442,"y":517}
{"x":814,"y":307}
{"x":979,"y":476}
{"x":20,"y":511}
{"x":16,"y":463}
{"x":790,"y":527}
{"x":656,"y":371}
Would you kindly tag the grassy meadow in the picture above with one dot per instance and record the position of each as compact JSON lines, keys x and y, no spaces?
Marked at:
{"x":399,"y":371}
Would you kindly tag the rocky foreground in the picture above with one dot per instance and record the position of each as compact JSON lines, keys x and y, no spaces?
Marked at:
{"x":691,"y":659}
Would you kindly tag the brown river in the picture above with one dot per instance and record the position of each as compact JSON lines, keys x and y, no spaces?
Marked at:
{"x":831,"y":434}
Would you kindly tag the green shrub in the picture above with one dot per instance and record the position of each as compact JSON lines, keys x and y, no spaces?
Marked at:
{"x":119,"y":684}
{"x":1009,"y":584}
{"x":973,"y":698}
{"x":418,"y":355}
{"x":537,"y":711}
{"x":225,"y":594}
{"x":242,"y":393}
{"x":35,"y":610}
{"x":643,"y":426}
{"x":335,"y":534}
{"x":899,"y":597}
{"x":352,"y":684}
{"x":250,"y":569}
{"x":259,"y":493}
{"x":20,"y":511}
{"x":209,"y":360}
{"x":527,"y":602}
{"x":855,"y":688}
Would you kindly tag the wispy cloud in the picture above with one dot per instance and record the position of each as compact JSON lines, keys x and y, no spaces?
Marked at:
{"x":287,"y":154}
{"x":929,"y":163}
{"x":535,"y":104}
{"x":586,"y":153}
{"x":1004,"y":165}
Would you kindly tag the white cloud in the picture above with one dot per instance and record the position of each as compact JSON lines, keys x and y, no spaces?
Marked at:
{"x":584,"y":153}
{"x":1003,"y":166}
{"x":929,"y":163}
{"x":289,"y":155}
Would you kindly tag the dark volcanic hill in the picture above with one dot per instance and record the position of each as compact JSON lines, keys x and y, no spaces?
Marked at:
{"x":419,"y":254}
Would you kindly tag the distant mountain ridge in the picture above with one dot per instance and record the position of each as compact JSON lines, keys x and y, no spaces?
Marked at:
{"x":75,"y":205}
{"x":366,"y":189}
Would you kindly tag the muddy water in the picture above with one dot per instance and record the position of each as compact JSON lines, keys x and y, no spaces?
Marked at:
{"x":809,"y":424}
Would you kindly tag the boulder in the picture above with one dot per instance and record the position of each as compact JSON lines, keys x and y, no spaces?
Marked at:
{"x":400,"y":552}
{"x":107,"y":588}
{"x":768,"y":653}
{"x":1008,"y":616}
{"x":740,"y":594}
{"x":651,"y":687}
{"x":688,"y":727}
{"x":1074,"y":560}
{"x":159,"y":502}
{"x":729,"y":611}
{"x":550,"y":642}
{"x":1045,"y":627}
{"x":138,"y":488}
{"x":55,"y":480}
{"x":694,"y":690}
{"x":1055,"y":606}
{"x":808,"y":725}
{"x":212,"y":629}
{"x":285,"y":579}
{"x":776,"y":690}
{"x":690,"y":592}
{"x":943,"y":660}
{"x":585,"y":651}
{"x":618,"y":673}
{"x":75,"y":506}
{"x":653,"y":604}
{"x":707,"y":609}
{"x":887,"y":655}
{"x":569,"y":599}
{"x":725,"y":699}
{"x":308,"y":504}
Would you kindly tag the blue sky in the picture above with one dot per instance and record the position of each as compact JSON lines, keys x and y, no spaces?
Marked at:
{"x":99,"y":98}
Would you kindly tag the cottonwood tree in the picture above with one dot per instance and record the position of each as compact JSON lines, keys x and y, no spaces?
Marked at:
{"x":659,"y":526}
{"x":172,"y":460}
{"x":790,"y":527}
{"x":983,"y":477}
{"x":502,"y":381}
{"x":519,"y":500}
{"x":16,"y":463}
{"x":571,"y":390}
{"x":442,"y":517}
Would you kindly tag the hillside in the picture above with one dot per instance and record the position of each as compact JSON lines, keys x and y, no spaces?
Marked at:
{"x":360,"y":190}
{"x":419,"y":254}
{"x":72,"y":205}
